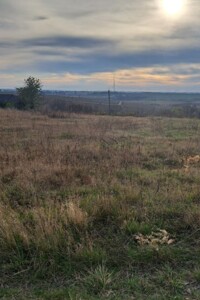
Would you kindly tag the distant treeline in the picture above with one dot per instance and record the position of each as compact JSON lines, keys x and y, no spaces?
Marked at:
{"x":9,"y":100}
{"x":57,"y":105}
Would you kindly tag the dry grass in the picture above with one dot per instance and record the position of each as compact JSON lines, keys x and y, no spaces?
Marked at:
{"x":80,"y":187}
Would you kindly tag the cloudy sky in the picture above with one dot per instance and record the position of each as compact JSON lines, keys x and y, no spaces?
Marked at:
{"x":148,"y":45}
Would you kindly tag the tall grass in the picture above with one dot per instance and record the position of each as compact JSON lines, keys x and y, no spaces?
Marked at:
{"x":76,"y":190}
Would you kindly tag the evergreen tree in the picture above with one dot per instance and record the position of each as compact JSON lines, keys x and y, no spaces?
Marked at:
{"x":30,"y":94}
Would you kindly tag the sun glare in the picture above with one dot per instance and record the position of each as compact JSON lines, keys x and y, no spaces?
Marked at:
{"x":173,"y":7}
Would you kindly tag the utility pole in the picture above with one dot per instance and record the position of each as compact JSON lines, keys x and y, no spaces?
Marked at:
{"x":109,"y":104}
{"x":114,"y":83}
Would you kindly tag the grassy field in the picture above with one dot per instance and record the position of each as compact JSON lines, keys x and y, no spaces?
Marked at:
{"x":99,"y":207}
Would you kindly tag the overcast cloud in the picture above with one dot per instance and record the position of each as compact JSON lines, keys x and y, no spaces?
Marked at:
{"x":76,"y":44}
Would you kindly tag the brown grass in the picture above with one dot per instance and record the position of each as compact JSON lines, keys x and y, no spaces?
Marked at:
{"x":66,"y":183}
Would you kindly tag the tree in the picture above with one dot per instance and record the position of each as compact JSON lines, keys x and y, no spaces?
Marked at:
{"x":30,"y":94}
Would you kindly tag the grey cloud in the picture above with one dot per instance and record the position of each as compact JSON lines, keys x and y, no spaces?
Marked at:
{"x":82,"y":13}
{"x":65,"y":41}
{"x":49,"y":52}
{"x":40,"y":18}
{"x":54,"y":45}
{"x":185,"y":32}
{"x":6,"y":44}
{"x":108,"y":62}
{"x":7,"y":24}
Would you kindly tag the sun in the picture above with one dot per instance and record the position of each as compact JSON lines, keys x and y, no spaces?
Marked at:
{"x":173,"y":7}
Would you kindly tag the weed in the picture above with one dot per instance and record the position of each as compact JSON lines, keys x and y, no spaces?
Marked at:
{"x":98,"y":279}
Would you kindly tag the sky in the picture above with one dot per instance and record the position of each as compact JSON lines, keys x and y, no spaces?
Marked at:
{"x":145,"y":45}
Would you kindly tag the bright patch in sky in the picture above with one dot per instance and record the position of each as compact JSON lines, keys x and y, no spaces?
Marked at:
{"x":173,"y":7}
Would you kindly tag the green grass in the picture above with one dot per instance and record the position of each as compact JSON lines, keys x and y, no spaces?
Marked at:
{"x":76,"y":192}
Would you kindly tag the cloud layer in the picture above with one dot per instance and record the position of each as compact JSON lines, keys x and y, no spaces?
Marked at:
{"x":75,"y":44}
